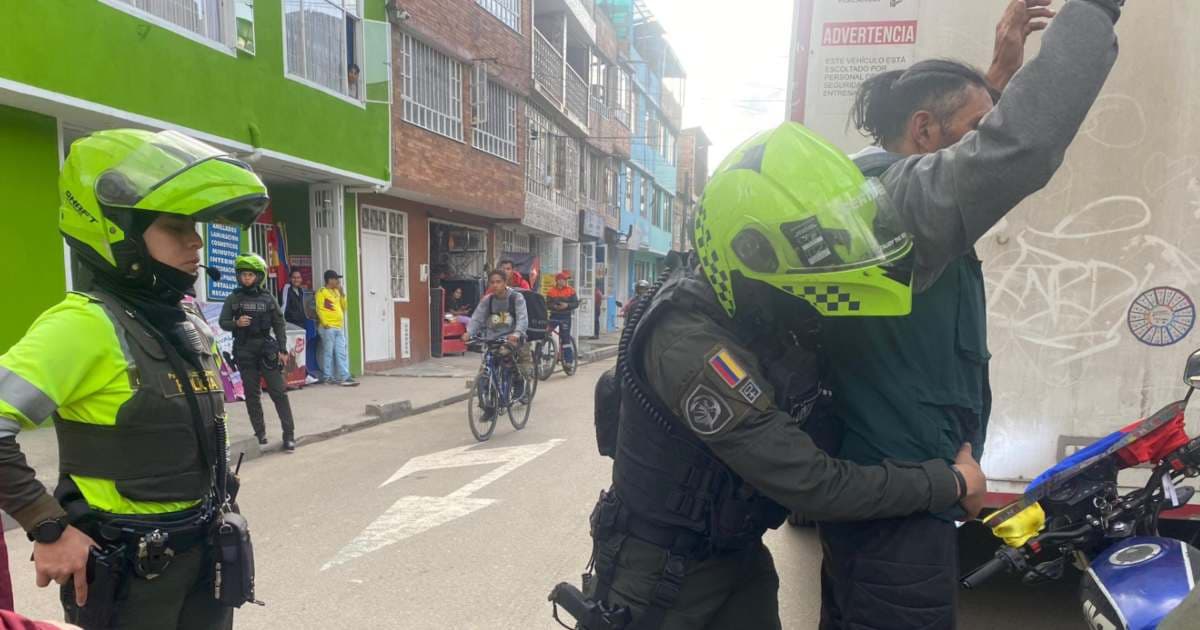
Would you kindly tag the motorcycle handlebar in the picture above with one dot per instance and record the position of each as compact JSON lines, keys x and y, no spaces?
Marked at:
{"x":986,"y":571}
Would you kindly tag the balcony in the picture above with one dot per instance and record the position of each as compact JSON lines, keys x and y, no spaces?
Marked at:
{"x":577,"y":98}
{"x":559,"y":83}
{"x":548,"y":68}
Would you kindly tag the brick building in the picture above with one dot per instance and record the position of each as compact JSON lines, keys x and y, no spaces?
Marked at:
{"x":517,"y":126}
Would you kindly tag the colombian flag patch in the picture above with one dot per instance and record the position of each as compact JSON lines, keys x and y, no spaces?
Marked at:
{"x":727,"y":368}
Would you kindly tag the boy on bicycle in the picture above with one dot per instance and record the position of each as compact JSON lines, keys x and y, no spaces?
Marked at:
{"x":562,"y":302}
{"x":502,"y":313}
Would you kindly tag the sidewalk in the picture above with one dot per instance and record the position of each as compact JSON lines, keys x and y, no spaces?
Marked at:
{"x":325,"y":411}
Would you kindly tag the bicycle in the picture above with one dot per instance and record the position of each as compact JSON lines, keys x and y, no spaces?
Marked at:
{"x":548,"y":353}
{"x":493,"y":391}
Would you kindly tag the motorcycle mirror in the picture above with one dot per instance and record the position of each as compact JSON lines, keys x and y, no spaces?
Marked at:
{"x":1185,"y":494}
{"x":1191,"y":374}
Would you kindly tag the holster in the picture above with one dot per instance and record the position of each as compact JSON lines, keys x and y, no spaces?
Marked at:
{"x":233,"y":561}
{"x":107,"y":571}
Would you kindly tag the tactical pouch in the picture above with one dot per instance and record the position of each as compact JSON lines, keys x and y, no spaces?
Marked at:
{"x":233,"y":571}
{"x":608,"y":412}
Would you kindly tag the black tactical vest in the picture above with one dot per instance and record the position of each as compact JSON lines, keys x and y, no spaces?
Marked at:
{"x":152,"y":451}
{"x":664,"y":475}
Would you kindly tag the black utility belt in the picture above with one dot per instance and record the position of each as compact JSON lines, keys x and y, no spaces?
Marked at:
{"x":178,"y":531}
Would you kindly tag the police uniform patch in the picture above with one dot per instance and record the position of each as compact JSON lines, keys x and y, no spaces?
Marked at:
{"x":706,"y":412}
{"x":727,"y":368}
{"x":750,"y":391}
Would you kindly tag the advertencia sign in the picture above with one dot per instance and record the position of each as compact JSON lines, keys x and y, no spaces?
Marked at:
{"x":837,"y":44}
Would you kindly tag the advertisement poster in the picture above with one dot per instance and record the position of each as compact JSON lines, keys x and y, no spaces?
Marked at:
{"x":231,"y":380}
{"x":837,"y":44}
{"x":222,"y":244}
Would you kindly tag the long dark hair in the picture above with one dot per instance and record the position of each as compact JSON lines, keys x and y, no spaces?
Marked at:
{"x":886,"y":101}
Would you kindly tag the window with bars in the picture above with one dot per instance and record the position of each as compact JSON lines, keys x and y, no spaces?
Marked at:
{"x":507,"y":11}
{"x":497,"y":134}
{"x":645,"y":200}
{"x":628,"y":188}
{"x":657,"y":200}
{"x":432,"y":89}
{"x":324,"y":39}
{"x":596,"y":188}
{"x":624,"y":96}
{"x":206,"y":18}
{"x":393,"y":224}
{"x":611,"y":184}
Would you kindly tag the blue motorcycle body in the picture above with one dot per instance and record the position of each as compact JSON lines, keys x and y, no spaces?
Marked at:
{"x":1137,"y":582}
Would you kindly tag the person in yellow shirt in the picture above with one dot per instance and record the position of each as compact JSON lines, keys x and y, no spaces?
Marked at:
{"x":331,"y":320}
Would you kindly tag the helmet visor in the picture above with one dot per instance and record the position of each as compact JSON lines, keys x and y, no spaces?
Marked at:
{"x":164,"y":157}
{"x":855,"y":230}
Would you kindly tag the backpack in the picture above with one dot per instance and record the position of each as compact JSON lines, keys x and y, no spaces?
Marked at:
{"x":535,"y":311}
{"x":539,"y":315}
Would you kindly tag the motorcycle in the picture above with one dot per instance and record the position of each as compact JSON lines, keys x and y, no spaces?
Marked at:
{"x":1075,"y":513}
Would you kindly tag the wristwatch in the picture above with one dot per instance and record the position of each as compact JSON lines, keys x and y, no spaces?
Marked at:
{"x":48,"y":531}
{"x":962,"y":482}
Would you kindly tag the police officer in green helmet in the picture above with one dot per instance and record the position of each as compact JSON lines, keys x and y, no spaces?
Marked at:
{"x":252,"y":314}
{"x":705,"y":413}
{"x":129,"y":377}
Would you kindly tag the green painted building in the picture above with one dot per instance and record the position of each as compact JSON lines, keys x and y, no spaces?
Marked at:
{"x":300,"y":89}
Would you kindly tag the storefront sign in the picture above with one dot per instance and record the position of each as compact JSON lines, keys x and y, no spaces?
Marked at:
{"x":591,"y":224}
{"x":223,"y":242}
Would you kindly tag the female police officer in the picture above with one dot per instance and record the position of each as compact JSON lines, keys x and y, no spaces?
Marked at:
{"x":131,"y":384}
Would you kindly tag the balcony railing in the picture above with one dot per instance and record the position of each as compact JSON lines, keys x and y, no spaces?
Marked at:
{"x":548,"y":68}
{"x":577,"y":97}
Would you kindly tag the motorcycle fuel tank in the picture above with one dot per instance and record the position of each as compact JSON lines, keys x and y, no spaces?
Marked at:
{"x":1137,"y":582}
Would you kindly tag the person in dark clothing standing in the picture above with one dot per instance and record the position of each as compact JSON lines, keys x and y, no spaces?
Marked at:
{"x":252,"y":313}
{"x":954,"y":163}
{"x":292,"y":301}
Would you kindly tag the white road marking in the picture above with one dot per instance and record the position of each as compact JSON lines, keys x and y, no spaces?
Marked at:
{"x":412,"y":515}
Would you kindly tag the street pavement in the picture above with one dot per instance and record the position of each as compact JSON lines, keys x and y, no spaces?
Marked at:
{"x":414,"y":525}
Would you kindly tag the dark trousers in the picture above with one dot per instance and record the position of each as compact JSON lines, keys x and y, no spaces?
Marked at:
{"x":252,"y":368}
{"x":890,"y":574}
{"x":179,"y":599}
{"x":735,"y":591}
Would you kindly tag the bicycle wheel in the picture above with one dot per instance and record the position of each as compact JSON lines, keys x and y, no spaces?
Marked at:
{"x":546,"y":358}
{"x":483,"y":396}
{"x":518,"y":411}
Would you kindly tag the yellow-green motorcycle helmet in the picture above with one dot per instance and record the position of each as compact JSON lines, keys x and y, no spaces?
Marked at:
{"x":788,"y":209}
{"x":254,"y":263}
{"x":113,"y":183}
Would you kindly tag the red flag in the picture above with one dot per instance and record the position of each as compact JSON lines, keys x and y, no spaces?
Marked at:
{"x":1156,"y":445}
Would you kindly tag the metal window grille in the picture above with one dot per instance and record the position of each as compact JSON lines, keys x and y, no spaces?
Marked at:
{"x":507,"y":11}
{"x":202,"y":17}
{"x":628,"y":188}
{"x":432,"y":89}
{"x":497,"y":134}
